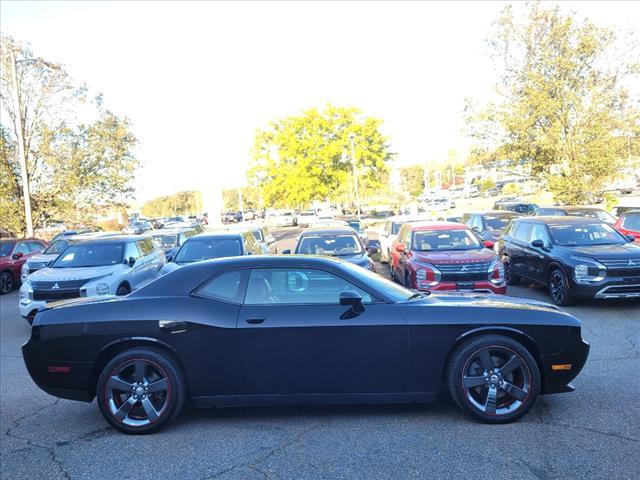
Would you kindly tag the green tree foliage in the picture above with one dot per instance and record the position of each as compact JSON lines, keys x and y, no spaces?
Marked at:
{"x":181,"y":203}
{"x":76,"y":170}
{"x":303,"y":158}
{"x":486,"y":184}
{"x":561,"y":104}
{"x":250,"y":199}
{"x":413,"y":179}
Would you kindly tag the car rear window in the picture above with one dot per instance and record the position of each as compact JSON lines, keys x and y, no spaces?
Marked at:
{"x":198,"y":249}
{"x":631,"y":222}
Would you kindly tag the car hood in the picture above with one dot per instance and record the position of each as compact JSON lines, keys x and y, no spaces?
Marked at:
{"x":64,"y":274}
{"x":606,"y":252}
{"x":452,"y":256}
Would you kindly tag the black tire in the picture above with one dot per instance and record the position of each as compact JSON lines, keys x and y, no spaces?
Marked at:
{"x":7,"y":283}
{"x":502,"y":396}
{"x":558,"y":285}
{"x":510,"y":277}
{"x":157,"y":369}
{"x":123,"y":290}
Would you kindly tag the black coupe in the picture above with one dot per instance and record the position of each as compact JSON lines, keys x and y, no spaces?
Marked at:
{"x":298,"y":330}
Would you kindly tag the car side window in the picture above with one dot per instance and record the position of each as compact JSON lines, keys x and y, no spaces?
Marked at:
{"x":131,"y":251}
{"x":297,"y":286}
{"x":144,"y":248}
{"x":226,"y":286}
{"x":23,"y":247}
{"x":539,"y":232}
{"x":35,"y":247}
{"x":523,"y":231}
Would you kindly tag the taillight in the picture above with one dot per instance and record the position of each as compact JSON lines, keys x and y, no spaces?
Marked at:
{"x":427,"y":276}
{"x":496,"y":272}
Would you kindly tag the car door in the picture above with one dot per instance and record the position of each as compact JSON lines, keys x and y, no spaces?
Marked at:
{"x":296,"y":338}
{"x":136,"y":273}
{"x":518,"y":251}
{"x":537,"y":258}
{"x":19,"y":256}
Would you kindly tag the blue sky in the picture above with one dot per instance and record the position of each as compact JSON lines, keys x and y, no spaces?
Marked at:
{"x":197,"y":79}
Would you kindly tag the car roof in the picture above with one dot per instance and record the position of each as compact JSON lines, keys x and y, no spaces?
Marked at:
{"x":559,"y":220}
{"x":12,"y":240}
{"x":328,"y":230}
{"x":507,"y":213}
{"x":111,"y":240}
{"x":577,"y":207}
{"x":436,"y":225}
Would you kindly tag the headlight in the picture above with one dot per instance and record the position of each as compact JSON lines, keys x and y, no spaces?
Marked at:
{"x":25,"y":295}
{"x":24,"y":272}
{"x":588,"y":271}
{"x":102,"y":289}
{"x":495,"y":272}
{"x":427,"y":275}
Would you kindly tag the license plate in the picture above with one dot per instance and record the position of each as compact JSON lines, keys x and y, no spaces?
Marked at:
{"x":465,"y":286}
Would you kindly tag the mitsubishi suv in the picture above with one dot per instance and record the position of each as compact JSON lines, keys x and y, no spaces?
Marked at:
{"x":97,"y":267}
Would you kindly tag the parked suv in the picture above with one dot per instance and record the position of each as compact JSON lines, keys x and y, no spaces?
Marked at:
{"x":522,"y":208}
{"x":389,"y":233}
{"x":445,"y":256}
{"x":629,"y":224}
{"x":590,"y":212}
{"x":171,"y":239}
{"x":137,"y":228}
{"x":13,"y":254}
{"x":101,"y":266}
{"x":206,"y":246}
{"x":489,"y":225}
{"x":574,"y":257}
{"x":262,"y":235}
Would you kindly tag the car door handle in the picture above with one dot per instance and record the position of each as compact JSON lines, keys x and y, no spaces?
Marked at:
{"x":255,"y":321}
{"x":169,"y":326}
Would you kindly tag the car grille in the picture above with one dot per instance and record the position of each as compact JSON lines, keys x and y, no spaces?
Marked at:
{"x":624,"y":272}
{"x":463,"y":272}
{"x":62,"y":290}
{"x":621,"y":263}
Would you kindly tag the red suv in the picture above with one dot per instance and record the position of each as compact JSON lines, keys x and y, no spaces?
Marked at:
{"x":13,"y":253}
{"x":629,"y":224}
{"x":440,"y":256}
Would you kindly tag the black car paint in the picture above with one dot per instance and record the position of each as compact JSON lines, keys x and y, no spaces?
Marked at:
{"x":391,"y":352}
{"x":537,"y":262}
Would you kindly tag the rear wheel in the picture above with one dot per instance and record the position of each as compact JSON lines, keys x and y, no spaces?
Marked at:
{"x":510,"y":277}
{"x":559,"y":288}
{"x":140,"y":391}
{"x":123,"y":290}
{"x":493,"y":378}
{"x":7,"y":283}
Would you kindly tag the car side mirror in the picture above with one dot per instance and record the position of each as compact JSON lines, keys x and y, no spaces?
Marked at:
{"x":352,"y":299}
{"x":18,"y":255}
{"x":537,"y":243}
{"x":400,"y":247}
{"x":372,"y":250}
{"x":130,"y":261}
{"x":168,"y":258}
{"x":488,"y":244}
{"x":631,"y":238}
{"x":286,"y":252}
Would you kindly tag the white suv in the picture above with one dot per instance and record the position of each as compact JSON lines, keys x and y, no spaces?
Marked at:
{"x":104,"y":266}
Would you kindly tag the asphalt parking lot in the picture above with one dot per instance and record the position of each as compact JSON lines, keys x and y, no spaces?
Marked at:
{"x":589,"y":434}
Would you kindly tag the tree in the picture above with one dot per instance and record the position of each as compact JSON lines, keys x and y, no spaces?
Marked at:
{"x":181,"y":203}
{"x":303,"y":158}
{"x":413,"y":180}
{"x":68,"y":171}
{"x":561,"y":105}
{"x":231,"y":199}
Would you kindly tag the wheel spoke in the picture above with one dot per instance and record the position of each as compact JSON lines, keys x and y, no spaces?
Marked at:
{"x":124,"y":410}
{"x":485,"y":359}
{"x":118,"y":384}
{"x":512,"y":364}
{"x":516,"y":392}
{"x":149,"y":409}
{"x":139,"y":372}
{"x":474,"y":381}
{"x":158,"y":385}
{"x":492,"y":399}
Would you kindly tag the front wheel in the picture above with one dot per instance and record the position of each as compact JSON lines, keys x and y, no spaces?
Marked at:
{"x":140,"y":391}
{"x":509,"y":277}
{"x":559,"y":288}
{"x":493,"y":378}
{"x":7,"y":284}
{"x":123,"y":290}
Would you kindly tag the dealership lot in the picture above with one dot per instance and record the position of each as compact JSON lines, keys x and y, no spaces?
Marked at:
{"x":590,"y":433}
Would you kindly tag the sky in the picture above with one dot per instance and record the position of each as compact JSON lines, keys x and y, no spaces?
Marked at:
{"x":197,"y":79}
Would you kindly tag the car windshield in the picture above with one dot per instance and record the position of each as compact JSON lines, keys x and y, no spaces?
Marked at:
{"x":6,"y":248}
{"x":94,"y":255}
{"x":330,"y":244}
{"x":426,"y":241}
{"x":56,"y":247}
{"x":631,"y":222}
{"x":498,"y":222}
{"x":356,"y":225}
{"x":198,"y":249}
{"x":367,"y":277}
{"x":585,"y":235}
{"x":597,"y":214}
{"x":258,"y":235}
{"x":165,"y":241}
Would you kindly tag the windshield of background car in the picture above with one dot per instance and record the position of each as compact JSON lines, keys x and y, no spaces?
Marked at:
{"x":631,"y":222}
{"x":378,"y":282}
{"x":6,"y":248}
{"x":336,"y":245}
{"x":165,"y":241}
{"x":597,"y":214}
{"x":258,"y":235}
{"x":498,"y":222}
{"x":436,"y":240}
{"x":356,"y":225}
{"x":56,"y":247}
{"x":557,"y":212}
{"x":197,"y":249}
{"x":96,"y":255}
{"x":585,"y":235}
